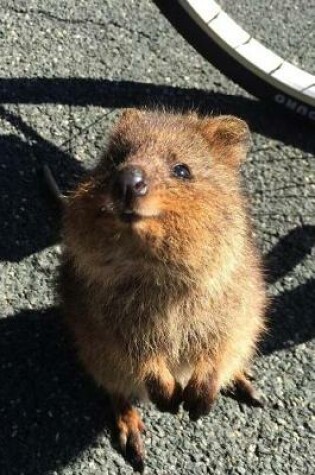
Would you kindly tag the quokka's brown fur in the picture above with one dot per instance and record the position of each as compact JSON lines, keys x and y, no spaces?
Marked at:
{"x":169,"y":305}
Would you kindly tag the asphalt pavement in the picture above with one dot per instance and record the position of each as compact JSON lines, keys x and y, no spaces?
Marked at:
{"x":285,"y":27}
{"x":66,"y":70}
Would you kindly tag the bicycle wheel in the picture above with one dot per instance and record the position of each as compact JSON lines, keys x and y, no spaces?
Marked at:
{"x":239,"y":56}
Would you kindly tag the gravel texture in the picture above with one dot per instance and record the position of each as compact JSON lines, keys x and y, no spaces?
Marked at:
{"x":66,"y":70}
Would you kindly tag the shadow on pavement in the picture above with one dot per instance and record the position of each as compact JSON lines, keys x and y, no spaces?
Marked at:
{"x":50,"y":411}
{"x":290,"y":250}
{"x":29,"y":221}
{"x":291,"y":317}
{"x":262,"y":118}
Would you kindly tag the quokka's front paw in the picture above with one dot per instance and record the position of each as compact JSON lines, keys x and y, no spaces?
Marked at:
{"x":199,"y":396}
{"x":167,"y":396}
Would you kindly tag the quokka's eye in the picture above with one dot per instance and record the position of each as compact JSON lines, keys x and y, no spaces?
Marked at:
{"x":181,"y":171}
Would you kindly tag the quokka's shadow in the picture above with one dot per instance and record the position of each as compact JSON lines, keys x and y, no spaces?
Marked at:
{"x":50,"y":411}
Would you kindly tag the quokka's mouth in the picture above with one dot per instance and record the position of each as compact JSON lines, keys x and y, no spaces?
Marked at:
{"x":130,"y":216}
{"x":134,"y":216}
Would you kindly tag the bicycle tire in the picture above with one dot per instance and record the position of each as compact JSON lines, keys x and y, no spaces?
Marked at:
{"x":232,"y":50}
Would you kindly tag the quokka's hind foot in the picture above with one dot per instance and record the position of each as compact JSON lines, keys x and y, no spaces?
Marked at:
{"x":130,"y":426}
{"x":245,"y":392}
{"x":164,"y":391}
{"x":199,"y":397}
{"x":166,"y":398}
{"x":201,"y":390}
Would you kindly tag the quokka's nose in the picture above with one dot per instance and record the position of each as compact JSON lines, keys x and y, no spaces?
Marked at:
{"x":130,"y":183}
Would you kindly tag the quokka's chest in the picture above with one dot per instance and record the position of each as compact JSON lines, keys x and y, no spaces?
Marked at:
{"x":144,"y":324}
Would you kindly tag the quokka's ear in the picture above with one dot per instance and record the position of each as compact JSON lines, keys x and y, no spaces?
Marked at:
{"x":228,"y":137}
